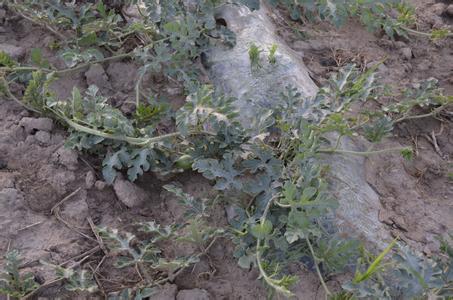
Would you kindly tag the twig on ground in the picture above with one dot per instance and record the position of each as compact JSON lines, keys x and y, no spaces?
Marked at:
{"x":65,"y":199}
{"x":29,"y":226}
{"x":56,"y":212}
{"x":44,"y":285}
{"x":98,"y":282}
{"x":96,"y":234}
{"x":41,"y":24}
{"x":54,"y":281}
{"x":70,"y":226}
{"x":100,"y":263}
{"x":89,"y":165}
{"x":433,"y":140}
{"x":415,"y":143}
{"x":84,"y":255}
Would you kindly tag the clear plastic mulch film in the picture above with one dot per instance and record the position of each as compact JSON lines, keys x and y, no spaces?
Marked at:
{"x":259,"y":87}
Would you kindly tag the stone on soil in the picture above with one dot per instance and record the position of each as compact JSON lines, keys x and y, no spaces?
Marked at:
{"x":13,"y":51}
{"x":75,"y":210}
{"x":30,"y":124}
{"x":7,"y":180}
{"x":97,"y":76}
{"x":100,"y":185}
{"x":43,"y":137}
{"x":449,"y":10}
{"x":128,"y":193}
{"x":195,"y":294}
{"x":123,"y":76}
{"x":66,"y":157}
{"x":439,"y":8}
{"x":90,"y":180}
{"x":407,"y":53}
{"x":165,"y":292}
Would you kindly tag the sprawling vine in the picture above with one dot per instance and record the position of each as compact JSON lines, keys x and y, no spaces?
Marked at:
{"x":281,"y":205}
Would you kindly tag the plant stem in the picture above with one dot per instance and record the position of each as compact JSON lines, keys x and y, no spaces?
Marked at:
{"x":416,"y":32}
{"x":142,"y":142}
{"x":8,"y":93}
{"x":140,"y":11}
{"x":316,"y":260}
{"x":268,"y":280}
{"x":68,"y":70}
{"x":82,"y":66}
{"x":17,"y":8}
{"x":41,"y":287}
{"x":142,"y":270}
{"x":365,"y":153}
{"x":283,"y":205}
{"x":137,"y":91}
{"x":427,"y":115}
{"x":130,"y":140}
{"x":263,"y":273}
{"x":14,"y":69}
{"x":175,"y":274}
{"x":337,"y":144}
{"x":420,"y":33}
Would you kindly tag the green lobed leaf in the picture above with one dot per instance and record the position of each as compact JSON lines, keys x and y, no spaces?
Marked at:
{"x":113,"y":162}
{"x":223,"y":171}
{"x":262,"y":229}
{"x":138,"y":162}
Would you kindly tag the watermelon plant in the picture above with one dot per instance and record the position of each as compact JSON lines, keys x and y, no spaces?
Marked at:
{"x":13,"y":282}
{"x":394,"y":17}
{"x":281,"y":200}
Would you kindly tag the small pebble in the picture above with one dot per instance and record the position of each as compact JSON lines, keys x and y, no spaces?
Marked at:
{"x":407,"y":53}
{"x":31,"y":124}
{"x":449,"y":10}
{"x":96,"y":76}
{"x":30,"y":140}
{"x":90,"y":180}
{"x":66,"y":157}
{"x":2,"y":15}
{"x":13,"y":51}
{"x":400,"y":45}
{"x":42,"y":137}
{"x":427,"y":251}
{"x":100,"y":185}
{"x":439,"y":8}
{"x":194,"y":294}
{"x":128,"y":193}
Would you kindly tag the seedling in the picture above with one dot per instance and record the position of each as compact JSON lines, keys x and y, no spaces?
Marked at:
{"x":12,"y":282}
{"x":374,"y":267}
{"x":272,"y":54}
{"x":254,"y":56}
{"x":6,"y":60}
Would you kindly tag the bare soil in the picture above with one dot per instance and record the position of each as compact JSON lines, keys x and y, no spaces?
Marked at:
{"x":37,"y":172}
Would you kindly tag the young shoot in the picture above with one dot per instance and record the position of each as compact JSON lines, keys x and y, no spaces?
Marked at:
{"x":254,"y":55}
{"x":272,"y":54}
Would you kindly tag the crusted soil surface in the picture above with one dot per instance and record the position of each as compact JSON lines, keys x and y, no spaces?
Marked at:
{"x":49,"y":194}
